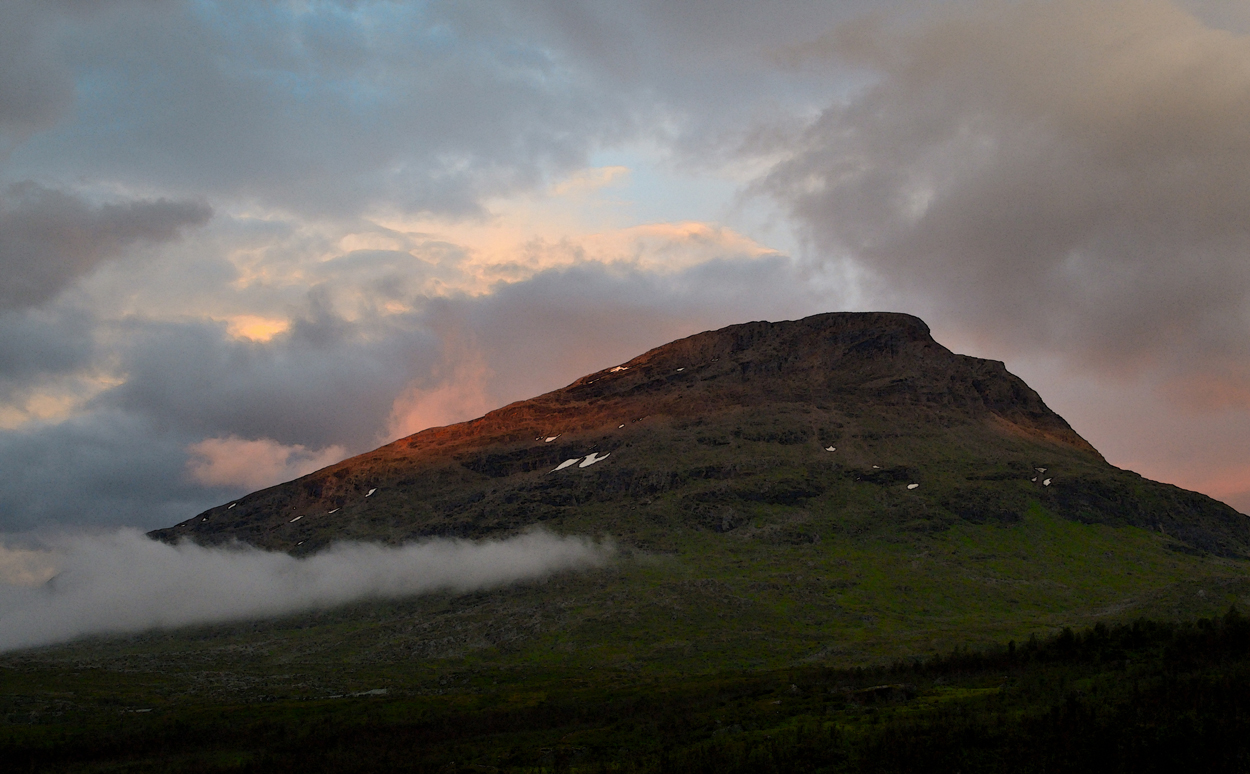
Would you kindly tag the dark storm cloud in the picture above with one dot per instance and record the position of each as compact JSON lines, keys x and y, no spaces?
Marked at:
{"x":49,"y":237}
{"x":1067,"y":175}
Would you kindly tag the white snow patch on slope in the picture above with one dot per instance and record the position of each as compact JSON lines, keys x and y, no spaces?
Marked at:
{"x":592,"y":458}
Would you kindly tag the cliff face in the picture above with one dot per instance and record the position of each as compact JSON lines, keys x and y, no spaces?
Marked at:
{"x":861,"y":418}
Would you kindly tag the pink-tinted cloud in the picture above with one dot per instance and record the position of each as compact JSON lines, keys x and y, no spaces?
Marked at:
{"x":254,"y":464}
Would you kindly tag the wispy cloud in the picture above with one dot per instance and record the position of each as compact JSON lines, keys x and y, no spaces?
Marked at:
{"x":235,"y":461}
{"x":124,"y":582}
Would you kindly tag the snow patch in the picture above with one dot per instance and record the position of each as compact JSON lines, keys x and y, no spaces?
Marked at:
{"x":618,"y":369}
{"x":552,"y":438}
{"x":912,"y":486}
{"x":592,"y":458}
{"x":297,"y":518}
{"x":566,"y":463}
{"x":830,"y":448}
{"x":370,"y":492}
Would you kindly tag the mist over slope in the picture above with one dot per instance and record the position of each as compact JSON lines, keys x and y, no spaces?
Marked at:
{"x":124,"y":582}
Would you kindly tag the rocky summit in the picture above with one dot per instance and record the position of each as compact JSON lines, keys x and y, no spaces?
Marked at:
{"x":856,"y":425}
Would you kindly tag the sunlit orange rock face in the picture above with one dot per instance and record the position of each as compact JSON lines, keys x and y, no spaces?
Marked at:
{"x":846,"y":414}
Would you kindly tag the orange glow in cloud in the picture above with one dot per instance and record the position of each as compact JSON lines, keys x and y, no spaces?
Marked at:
{"x":580,"y":219}
{"x":1210,"y":392}
{"x":54,"y":402}
{"x":40,"y":406}
{"x":234,"y":461}
{"x":255,"y":328}
{"x":1230,"y":483}
{"x":573,"y":221}
{"x":26,"y":567}
{"x":457,"y":394}
{"x":591,"y":179}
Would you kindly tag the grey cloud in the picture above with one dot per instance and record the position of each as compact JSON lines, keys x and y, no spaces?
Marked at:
{"x":331,"y":381}
{"x":706,"y":67}
{"x":36,"y":85}
{"x":327,"y":381}
{"x":123,"y":458}
{"x":104,"y":468}
{"x":542,"y":334}
{"x":124,"y":582}
{"x":533,"y":336}
{"x":36,"y":343}
{"x":1065,"y":175}
{"x":49,"y":237}
{"x":338,"y":108}
{"x":329,"y":108}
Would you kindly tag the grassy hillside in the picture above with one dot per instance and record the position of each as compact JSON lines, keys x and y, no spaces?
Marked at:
{"x":671,"y":658}
{"x":764,"y":595}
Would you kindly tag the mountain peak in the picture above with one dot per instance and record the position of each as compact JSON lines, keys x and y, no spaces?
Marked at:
{"x":887,"y":358}
{"x":711,"y":428}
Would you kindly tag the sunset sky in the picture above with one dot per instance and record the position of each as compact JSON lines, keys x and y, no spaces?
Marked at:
{"x":243,"y":240}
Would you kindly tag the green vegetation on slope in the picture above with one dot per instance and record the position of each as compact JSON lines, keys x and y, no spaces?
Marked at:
{"x":673,"y":656}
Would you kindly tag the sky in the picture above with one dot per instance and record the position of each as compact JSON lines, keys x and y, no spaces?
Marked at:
{"x":243,"y":240}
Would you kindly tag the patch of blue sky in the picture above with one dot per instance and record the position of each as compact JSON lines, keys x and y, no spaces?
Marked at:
{"x":656,"y":190}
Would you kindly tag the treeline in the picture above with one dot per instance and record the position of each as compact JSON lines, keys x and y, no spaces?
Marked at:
{"x":1145,"y":696}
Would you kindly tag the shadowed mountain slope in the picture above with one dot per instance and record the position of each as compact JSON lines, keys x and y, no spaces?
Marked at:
{"x":844,"y":423}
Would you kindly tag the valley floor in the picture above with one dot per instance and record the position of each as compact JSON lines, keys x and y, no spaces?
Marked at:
{"x":1139,"y":697}
{"x":784,"y":645}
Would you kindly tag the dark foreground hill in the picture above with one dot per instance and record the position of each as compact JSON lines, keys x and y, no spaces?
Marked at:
{"x":781,"y":432}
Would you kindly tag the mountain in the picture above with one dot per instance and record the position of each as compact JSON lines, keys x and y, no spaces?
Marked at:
{"x":844,"y":423}
{"x":790,"y":502}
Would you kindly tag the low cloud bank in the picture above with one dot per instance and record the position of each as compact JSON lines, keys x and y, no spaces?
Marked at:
{"x":124,"y":582}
